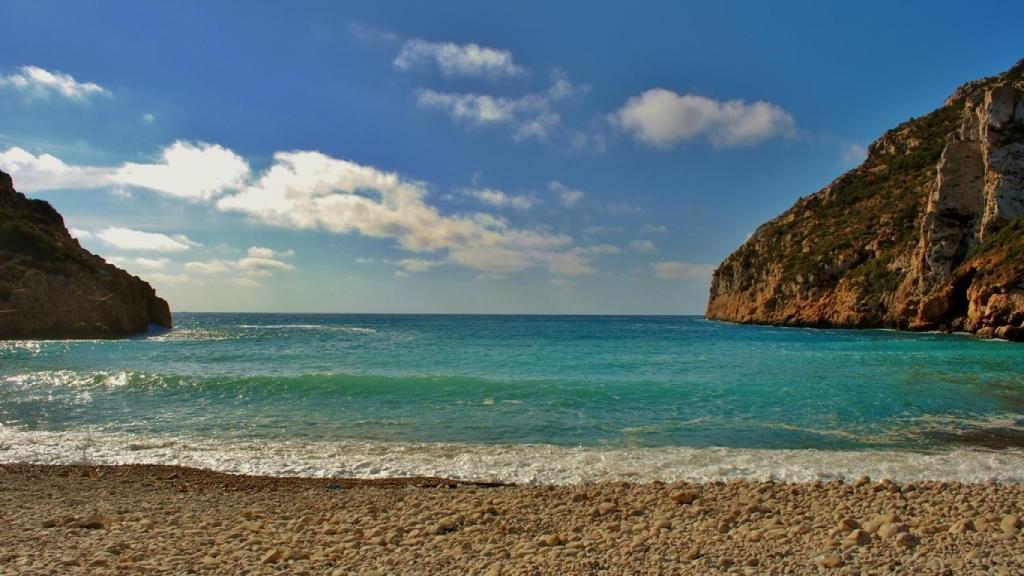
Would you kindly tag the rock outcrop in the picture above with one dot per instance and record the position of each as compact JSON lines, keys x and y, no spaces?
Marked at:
{"x":51,"y":287}
{"x":928,"y":233}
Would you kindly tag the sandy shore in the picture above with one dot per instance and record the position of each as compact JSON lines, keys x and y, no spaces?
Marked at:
{"x":169,"y":520}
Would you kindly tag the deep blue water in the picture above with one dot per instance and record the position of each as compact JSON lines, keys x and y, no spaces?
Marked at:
{"x":273,"y":381}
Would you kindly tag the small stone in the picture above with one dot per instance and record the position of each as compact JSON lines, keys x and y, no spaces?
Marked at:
{"x":858,"y":538}
{"x":872,"y":526}
{"x":294,"y":555}
{"x":905,"y":540}
{"x":692,"y":554}
{"x":271,"y":557}
{"x":684,"y":497}
{"x":1010,"y":523}
{"x":961,"y":526}
{"x":889,"y":530}
{"x":862,"y":481}
{"x":551,"y":540}
{"x":93,"y":522}
{"x":848,"y":525}
{"x":663,"y":524}
{"x":50,"y":523}
{"x":605,"y":507}
{"x":830,"y":560}
{"x":446,"y":525}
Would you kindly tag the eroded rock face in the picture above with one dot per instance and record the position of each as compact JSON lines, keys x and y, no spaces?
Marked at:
{"x":926,"y":233}
{"x":50,"y":287}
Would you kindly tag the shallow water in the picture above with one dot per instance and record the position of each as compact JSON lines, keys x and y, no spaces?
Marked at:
{"x":522,"y":398}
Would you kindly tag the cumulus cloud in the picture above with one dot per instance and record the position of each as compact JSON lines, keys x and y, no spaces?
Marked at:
{"x":500,"y":199}
{"x":185,"y":170}
{"x":528,"y":116}
{"x":642,"y":246}
{"x":676,"y":270}
{"x":567,"y":196}
{"x":457,"y":59}
{"x":193,"y":171}
{"x":34,"y":173}
{"x":128,"y":239}
{"x":654,"y":229}
{"x":39,"y":83}
{"x":663,"y":118}
{"x":310,"y":190}
{"x":80,"y":234}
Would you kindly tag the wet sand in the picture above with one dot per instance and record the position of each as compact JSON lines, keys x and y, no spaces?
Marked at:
{"x":172,"y":520}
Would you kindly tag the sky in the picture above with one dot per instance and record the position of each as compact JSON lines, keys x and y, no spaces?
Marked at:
{"x":465,"y":157}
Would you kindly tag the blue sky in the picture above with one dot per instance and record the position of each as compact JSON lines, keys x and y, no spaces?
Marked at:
{"x":524,"y":157}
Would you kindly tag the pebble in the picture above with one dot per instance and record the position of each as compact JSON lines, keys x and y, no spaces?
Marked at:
{"x":684,"y":497}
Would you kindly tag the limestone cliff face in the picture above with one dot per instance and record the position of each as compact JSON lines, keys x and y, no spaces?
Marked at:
{"x":50,"y":287}
{"x":928,"y":233}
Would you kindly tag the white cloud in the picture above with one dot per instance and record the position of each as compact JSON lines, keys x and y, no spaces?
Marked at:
{"x":663,"y":118}
{"x":34,"y":173}
{"x":147,"y":118}
{"x":128,"y":239}
{"x":418,"y":264}
{"x":501,"y":199}
{"x":191,"y":171}
{"x":567,"y":196}
{"x":260,"y":252}
{"x":852,"y":154}
{"x":259,"y":262}
{"x":310,"y":190}
{"x":457,"y":59}
{"x":209,"y":266}
{"x":39,"y":83}
{"x":528,"y":116}
{"x":163,"y":278}
{"x":642,"y":246}
{"x":151,"y":263}
{"x":80,"y":234}
{"x":682,"y":270}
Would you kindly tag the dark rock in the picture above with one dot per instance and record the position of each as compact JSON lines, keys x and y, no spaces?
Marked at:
{"x":51,"y":287}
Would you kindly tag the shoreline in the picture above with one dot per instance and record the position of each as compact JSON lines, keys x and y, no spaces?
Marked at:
{"x":126,"y":519}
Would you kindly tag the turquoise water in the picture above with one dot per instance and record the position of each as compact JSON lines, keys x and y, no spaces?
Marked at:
{"x":534,"y":398}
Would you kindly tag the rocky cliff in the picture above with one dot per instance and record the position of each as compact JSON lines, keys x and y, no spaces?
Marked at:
{"x":928,"y":233}
{"x":50,"y":287}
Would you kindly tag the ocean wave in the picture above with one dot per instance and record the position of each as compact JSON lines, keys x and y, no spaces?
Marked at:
{"x":518,"y":463}
{"x":327,"y":327}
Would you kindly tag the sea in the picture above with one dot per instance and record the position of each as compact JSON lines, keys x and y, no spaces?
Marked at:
{"x":524,"y":399}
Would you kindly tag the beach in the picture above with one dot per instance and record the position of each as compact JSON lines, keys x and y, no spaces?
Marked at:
{"x":173,"y":520}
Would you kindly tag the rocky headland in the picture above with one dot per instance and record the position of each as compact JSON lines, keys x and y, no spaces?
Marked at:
{"x":926,"y":234}
{"x":51,"y":287}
